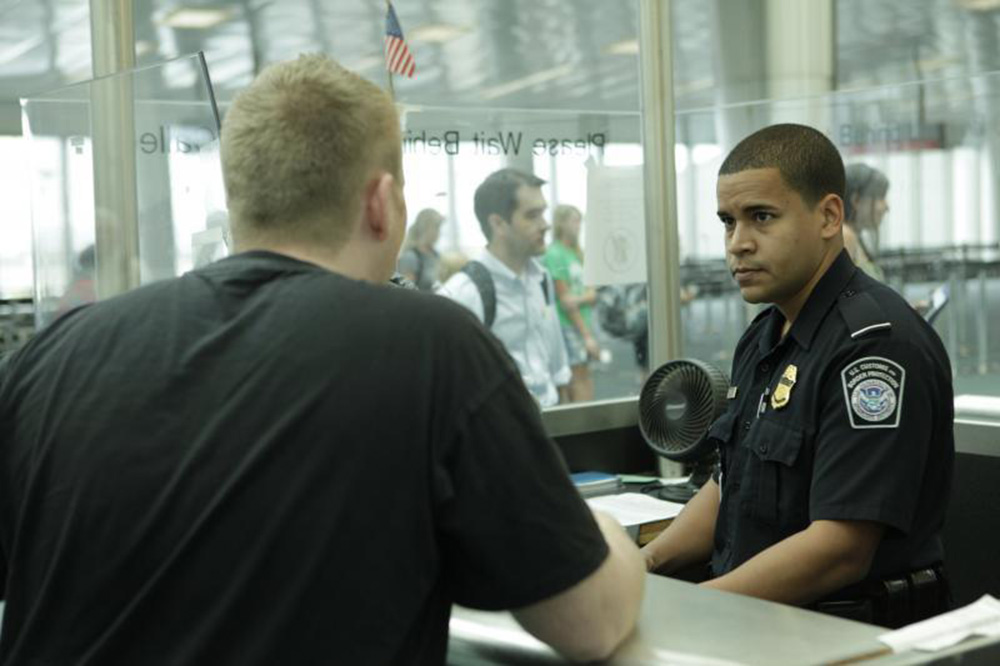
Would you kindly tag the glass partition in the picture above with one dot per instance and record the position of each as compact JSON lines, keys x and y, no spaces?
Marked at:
{"x":934,"y":238}
{"x":591,"y":161}
{"x":157,"y":206}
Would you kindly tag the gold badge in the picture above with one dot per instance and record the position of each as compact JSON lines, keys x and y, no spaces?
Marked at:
{"x":783,"y":391}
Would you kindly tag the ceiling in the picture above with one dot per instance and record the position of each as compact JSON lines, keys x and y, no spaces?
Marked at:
{"x":552,"y":54}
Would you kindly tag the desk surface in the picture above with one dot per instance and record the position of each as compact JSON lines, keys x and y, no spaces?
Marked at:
{"x":682,"y":623}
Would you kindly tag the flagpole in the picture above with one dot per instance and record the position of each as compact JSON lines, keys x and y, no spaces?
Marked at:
{"x":392,"y":90}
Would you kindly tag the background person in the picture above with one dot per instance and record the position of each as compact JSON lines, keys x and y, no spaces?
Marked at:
{"x":190,"y":469}
{"x":419,"y":260}
{"x":564,"y":261}
{"x":82,"y":289}
{"x":864,"y":208}
{"x":507,"y":282}
{"x":837,"y":445}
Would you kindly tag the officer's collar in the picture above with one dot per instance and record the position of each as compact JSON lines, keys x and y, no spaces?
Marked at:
{"x":822,"y":298}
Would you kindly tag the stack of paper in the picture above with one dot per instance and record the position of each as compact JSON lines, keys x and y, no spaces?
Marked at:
{"x":981,"y":618}
{"x":642,"y":516}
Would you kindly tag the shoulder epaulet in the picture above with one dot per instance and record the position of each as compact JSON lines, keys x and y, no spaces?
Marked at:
{"x":862,"y":313}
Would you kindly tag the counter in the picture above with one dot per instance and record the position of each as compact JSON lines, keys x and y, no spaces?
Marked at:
{"x":684,"y":624}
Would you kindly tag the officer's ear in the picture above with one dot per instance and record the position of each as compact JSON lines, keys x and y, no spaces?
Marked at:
{"x":831,"y":210}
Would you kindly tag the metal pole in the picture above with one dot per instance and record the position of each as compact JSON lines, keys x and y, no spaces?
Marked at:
{"x":659,"y":186}
{"x":663,"y":257}
{"x":982,"y":315}
{"x":113,"y":133}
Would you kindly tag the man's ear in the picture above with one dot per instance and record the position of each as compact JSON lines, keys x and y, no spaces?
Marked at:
{"x":495,"y":222}
{"x":378,"y":204}
{"x":831,"y":207}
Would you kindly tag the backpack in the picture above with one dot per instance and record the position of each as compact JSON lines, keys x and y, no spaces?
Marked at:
{"x":481,"y":277}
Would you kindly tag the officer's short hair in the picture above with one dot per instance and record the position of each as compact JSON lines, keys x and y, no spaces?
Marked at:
{"x":808,"y":162}
{"x":297,"y":147}
{"x":498,"y":195}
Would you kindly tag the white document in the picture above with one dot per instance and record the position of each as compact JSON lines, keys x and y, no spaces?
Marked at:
{"x":614,"y":233}
{"x":635,"y":508}
{"x":980,"y":618}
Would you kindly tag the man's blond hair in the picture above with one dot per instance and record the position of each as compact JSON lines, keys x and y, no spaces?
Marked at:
{"x":297,"y":148}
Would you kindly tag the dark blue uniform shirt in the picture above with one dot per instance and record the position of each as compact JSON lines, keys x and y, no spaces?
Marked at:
{"x":849,"y":417}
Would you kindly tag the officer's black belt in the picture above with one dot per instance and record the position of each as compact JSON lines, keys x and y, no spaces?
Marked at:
{"x":894,"y":601}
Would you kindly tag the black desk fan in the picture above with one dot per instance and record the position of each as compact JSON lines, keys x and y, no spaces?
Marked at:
{"x":677,"y":404}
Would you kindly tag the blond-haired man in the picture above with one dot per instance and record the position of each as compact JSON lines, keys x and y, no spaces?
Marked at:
{"x":218,"y":469}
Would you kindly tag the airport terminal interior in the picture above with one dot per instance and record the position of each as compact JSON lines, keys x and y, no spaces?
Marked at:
{"x":109,"y":156}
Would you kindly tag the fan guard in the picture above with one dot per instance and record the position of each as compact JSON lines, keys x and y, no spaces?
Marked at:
{"x":677,"y":404}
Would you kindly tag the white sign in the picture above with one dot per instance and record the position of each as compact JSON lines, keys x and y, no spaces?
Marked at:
{"x":615,"y":229}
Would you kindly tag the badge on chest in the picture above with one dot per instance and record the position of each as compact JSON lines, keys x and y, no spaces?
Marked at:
{"x":783,"y":391}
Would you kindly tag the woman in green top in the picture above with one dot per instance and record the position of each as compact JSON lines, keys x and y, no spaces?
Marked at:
{"x":564,"y":260}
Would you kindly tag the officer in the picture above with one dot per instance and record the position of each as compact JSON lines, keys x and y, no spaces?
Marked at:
{"x":836,"y":447}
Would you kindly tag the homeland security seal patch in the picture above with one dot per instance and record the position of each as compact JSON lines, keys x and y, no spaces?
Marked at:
{"x":873,"y":389}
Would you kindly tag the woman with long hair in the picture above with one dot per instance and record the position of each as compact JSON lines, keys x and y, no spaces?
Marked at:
{"x":419,"y":260}
{"x":574,"y":300}
{"x":864,"y":208}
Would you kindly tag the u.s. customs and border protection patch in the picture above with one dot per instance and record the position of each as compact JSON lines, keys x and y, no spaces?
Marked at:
{"x":873,"y":389}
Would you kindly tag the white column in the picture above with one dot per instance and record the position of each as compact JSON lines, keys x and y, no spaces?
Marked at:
{"x":113,"y":133}
{"x":799,"y":39}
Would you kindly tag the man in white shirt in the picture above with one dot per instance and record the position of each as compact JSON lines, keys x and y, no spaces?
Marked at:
{"x":510,"y":208}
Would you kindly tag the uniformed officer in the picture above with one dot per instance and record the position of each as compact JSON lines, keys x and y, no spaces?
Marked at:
{"x":837,"y":446}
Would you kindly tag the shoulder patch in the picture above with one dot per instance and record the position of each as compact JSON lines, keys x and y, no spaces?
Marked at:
{"x":873,"y":392}
{"x":862,"y":313}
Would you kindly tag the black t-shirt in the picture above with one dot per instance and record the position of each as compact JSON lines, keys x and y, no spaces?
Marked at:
{"x":263,"y":462}
{"x":849,"y":417}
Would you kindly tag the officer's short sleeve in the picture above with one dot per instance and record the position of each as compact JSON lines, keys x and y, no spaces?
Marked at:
{"x":874,"y":434}
{"x":514,"y":529}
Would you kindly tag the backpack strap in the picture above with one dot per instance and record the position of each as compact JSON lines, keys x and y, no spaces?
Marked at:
{"x":481,"y":277}
{"x":418,"y":278}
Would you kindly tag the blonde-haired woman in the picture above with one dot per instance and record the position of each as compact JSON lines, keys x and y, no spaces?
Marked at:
{"x":419,"y":260}
{"x":564,"y":260}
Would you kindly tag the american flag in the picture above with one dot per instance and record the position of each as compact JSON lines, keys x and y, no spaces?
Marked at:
{"x":397,"y":55}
